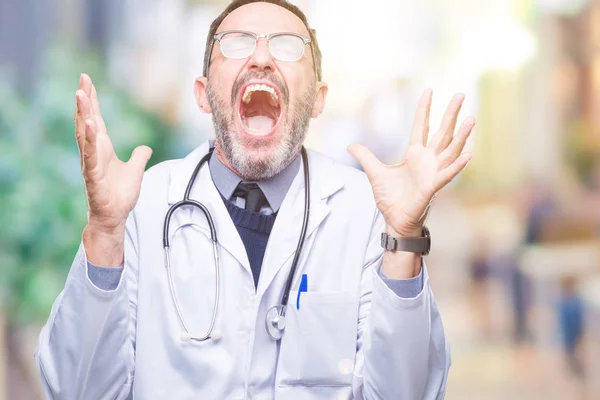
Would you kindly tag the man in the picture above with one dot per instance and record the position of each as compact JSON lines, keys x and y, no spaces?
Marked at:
{"x":361,"y":321}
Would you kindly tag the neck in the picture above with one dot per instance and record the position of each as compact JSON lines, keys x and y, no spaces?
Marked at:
{"x":224,"y":159}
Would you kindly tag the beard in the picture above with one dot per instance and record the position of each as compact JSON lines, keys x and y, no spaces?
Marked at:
{"x":249,"y":159}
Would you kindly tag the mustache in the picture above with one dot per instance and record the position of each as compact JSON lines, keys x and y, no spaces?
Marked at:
{"x":267,"y":76}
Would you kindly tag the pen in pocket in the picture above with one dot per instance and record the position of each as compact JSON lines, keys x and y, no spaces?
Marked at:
{"x":303,"y":288}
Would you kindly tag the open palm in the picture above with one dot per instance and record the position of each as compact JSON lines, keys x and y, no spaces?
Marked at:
{"x":404,"y":191}
{"x":112,"y":186}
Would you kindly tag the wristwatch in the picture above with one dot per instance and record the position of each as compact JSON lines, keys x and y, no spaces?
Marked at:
{"x":414,"y":244}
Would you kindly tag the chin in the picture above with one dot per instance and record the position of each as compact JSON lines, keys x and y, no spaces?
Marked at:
{"x":257,"y":158}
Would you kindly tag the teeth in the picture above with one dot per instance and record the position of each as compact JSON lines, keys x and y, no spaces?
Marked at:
{"x":256,"y":87}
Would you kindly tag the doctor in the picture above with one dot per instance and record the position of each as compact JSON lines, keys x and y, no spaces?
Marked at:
{"x":361,"y":321}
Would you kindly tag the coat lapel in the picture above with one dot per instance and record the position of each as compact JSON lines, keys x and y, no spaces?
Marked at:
{"x":288,"y":224}
{"x":286,"y":230}
{"x":205,"y":192}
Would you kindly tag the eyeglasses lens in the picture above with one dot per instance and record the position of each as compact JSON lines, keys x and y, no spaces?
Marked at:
{"x":282,"y":47}
{"x":287,"y":47}
{"x":237,"y":45}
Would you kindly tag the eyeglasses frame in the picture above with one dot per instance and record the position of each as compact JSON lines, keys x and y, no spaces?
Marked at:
{"x":257,"y":37}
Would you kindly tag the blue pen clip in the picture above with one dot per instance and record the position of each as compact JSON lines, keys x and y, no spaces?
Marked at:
{"x":303,"y":288}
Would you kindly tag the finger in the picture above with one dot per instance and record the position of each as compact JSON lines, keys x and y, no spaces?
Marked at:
{"x":139,"y":157}
{"x":79,"y":119}
{"x":90,"y":151}
{"x":81,"y":114}
{"x":86,"y":107}
{"x":421,"y":123}
{"x":86,"y":86}
{"x":443,"y":137}
{"x":450,"y":172}
{"x":76,"y":97}
{"x":365,"y":158}
{"x":96,"y":107}
{"x":451,"y":153}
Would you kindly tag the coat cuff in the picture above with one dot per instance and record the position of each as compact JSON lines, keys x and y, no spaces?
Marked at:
{"x":105,"y":278}
{"x":404,"y":288}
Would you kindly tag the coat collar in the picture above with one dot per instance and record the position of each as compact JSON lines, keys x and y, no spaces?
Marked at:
{"x":274,"y":188}
{"x":324,"y":182}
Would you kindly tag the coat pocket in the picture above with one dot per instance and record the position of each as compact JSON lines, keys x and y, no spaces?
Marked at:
{"x":318,"y":346}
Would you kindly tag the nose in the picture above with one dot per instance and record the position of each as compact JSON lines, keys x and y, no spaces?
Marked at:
{"x":261,"y":60}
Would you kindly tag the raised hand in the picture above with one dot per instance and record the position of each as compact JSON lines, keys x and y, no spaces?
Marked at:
{"x":112,"y":186}
{"x":404,"y":191}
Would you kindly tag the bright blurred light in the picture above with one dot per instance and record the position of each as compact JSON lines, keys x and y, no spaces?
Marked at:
{"x":499,"y":43}
{"x":364,"y":41}
{"x":568,"y":7}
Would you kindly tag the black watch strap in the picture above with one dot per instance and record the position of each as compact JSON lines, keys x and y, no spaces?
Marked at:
{"x":414,"y":245}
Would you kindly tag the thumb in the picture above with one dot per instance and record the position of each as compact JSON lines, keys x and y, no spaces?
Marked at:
{"x":140,"y":156}
{"x":365,"y":157}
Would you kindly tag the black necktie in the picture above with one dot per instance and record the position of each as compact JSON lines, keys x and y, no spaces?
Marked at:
{"x":255,"y":198}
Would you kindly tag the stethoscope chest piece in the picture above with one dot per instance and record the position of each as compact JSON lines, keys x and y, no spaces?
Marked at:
{"x":275,"y":322}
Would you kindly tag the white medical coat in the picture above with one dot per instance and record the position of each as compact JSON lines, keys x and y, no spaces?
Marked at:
{"x":351,"y":338}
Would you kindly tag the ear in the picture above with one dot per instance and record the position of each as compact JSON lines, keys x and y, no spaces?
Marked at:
{"x":319,"y":103}
{"x":200,"y":93}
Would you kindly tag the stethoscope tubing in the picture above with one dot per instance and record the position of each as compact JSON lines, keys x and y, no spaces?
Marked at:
{"x":288,"y":284}
{"x":281,"y":308}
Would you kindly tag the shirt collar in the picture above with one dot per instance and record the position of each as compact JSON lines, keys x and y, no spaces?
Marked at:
{"x":274,"y":188}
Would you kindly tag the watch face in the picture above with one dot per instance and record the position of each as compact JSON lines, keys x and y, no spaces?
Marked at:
{"x":426,"y":232}
{"x":427,"y":235}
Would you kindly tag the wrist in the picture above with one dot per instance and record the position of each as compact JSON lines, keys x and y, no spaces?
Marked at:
{"x":401,"y":265}
{"x":104,"y":247}
{"x":405,"y":232}
{"x":105,"y":227}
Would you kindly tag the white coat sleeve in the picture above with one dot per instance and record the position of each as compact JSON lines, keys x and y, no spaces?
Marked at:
{"x":86,"y":349}
{"x":402,"y":352}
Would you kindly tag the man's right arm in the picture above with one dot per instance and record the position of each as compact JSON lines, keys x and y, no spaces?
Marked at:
{"x":86,"y":349}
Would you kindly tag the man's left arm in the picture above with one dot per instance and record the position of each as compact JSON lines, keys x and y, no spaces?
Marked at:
{"x":402,"y":352}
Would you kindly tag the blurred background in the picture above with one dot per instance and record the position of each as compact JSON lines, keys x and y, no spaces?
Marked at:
{"x":516,"y":259}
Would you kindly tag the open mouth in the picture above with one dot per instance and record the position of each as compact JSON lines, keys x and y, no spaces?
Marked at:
{"x":260,"y":108}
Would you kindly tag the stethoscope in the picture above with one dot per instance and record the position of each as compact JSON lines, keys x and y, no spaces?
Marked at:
{"x":275,"y":319}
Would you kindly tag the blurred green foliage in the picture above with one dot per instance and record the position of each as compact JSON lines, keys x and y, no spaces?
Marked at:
{"x":42,"y":199}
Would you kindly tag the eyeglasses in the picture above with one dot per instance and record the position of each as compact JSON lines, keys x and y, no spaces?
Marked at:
{"x":237,"y":45}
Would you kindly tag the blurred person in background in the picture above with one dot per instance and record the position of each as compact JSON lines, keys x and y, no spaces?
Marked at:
{"x":571,"y":322}
{"x":540,"y":211}
{"x":480,"y":274}
{"x":363,"y":322}
{"x":591,"y":204}
{"x":539,"y":208}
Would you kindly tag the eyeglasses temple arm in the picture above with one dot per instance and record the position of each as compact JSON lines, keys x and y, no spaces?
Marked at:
{"x":207,"y":62}
{"x":312,"y":49}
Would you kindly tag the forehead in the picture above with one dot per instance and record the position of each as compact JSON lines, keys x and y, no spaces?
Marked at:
{"x":263,"y":18}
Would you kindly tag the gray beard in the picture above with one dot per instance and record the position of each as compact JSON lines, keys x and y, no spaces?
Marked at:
{"x":250,"y":169}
